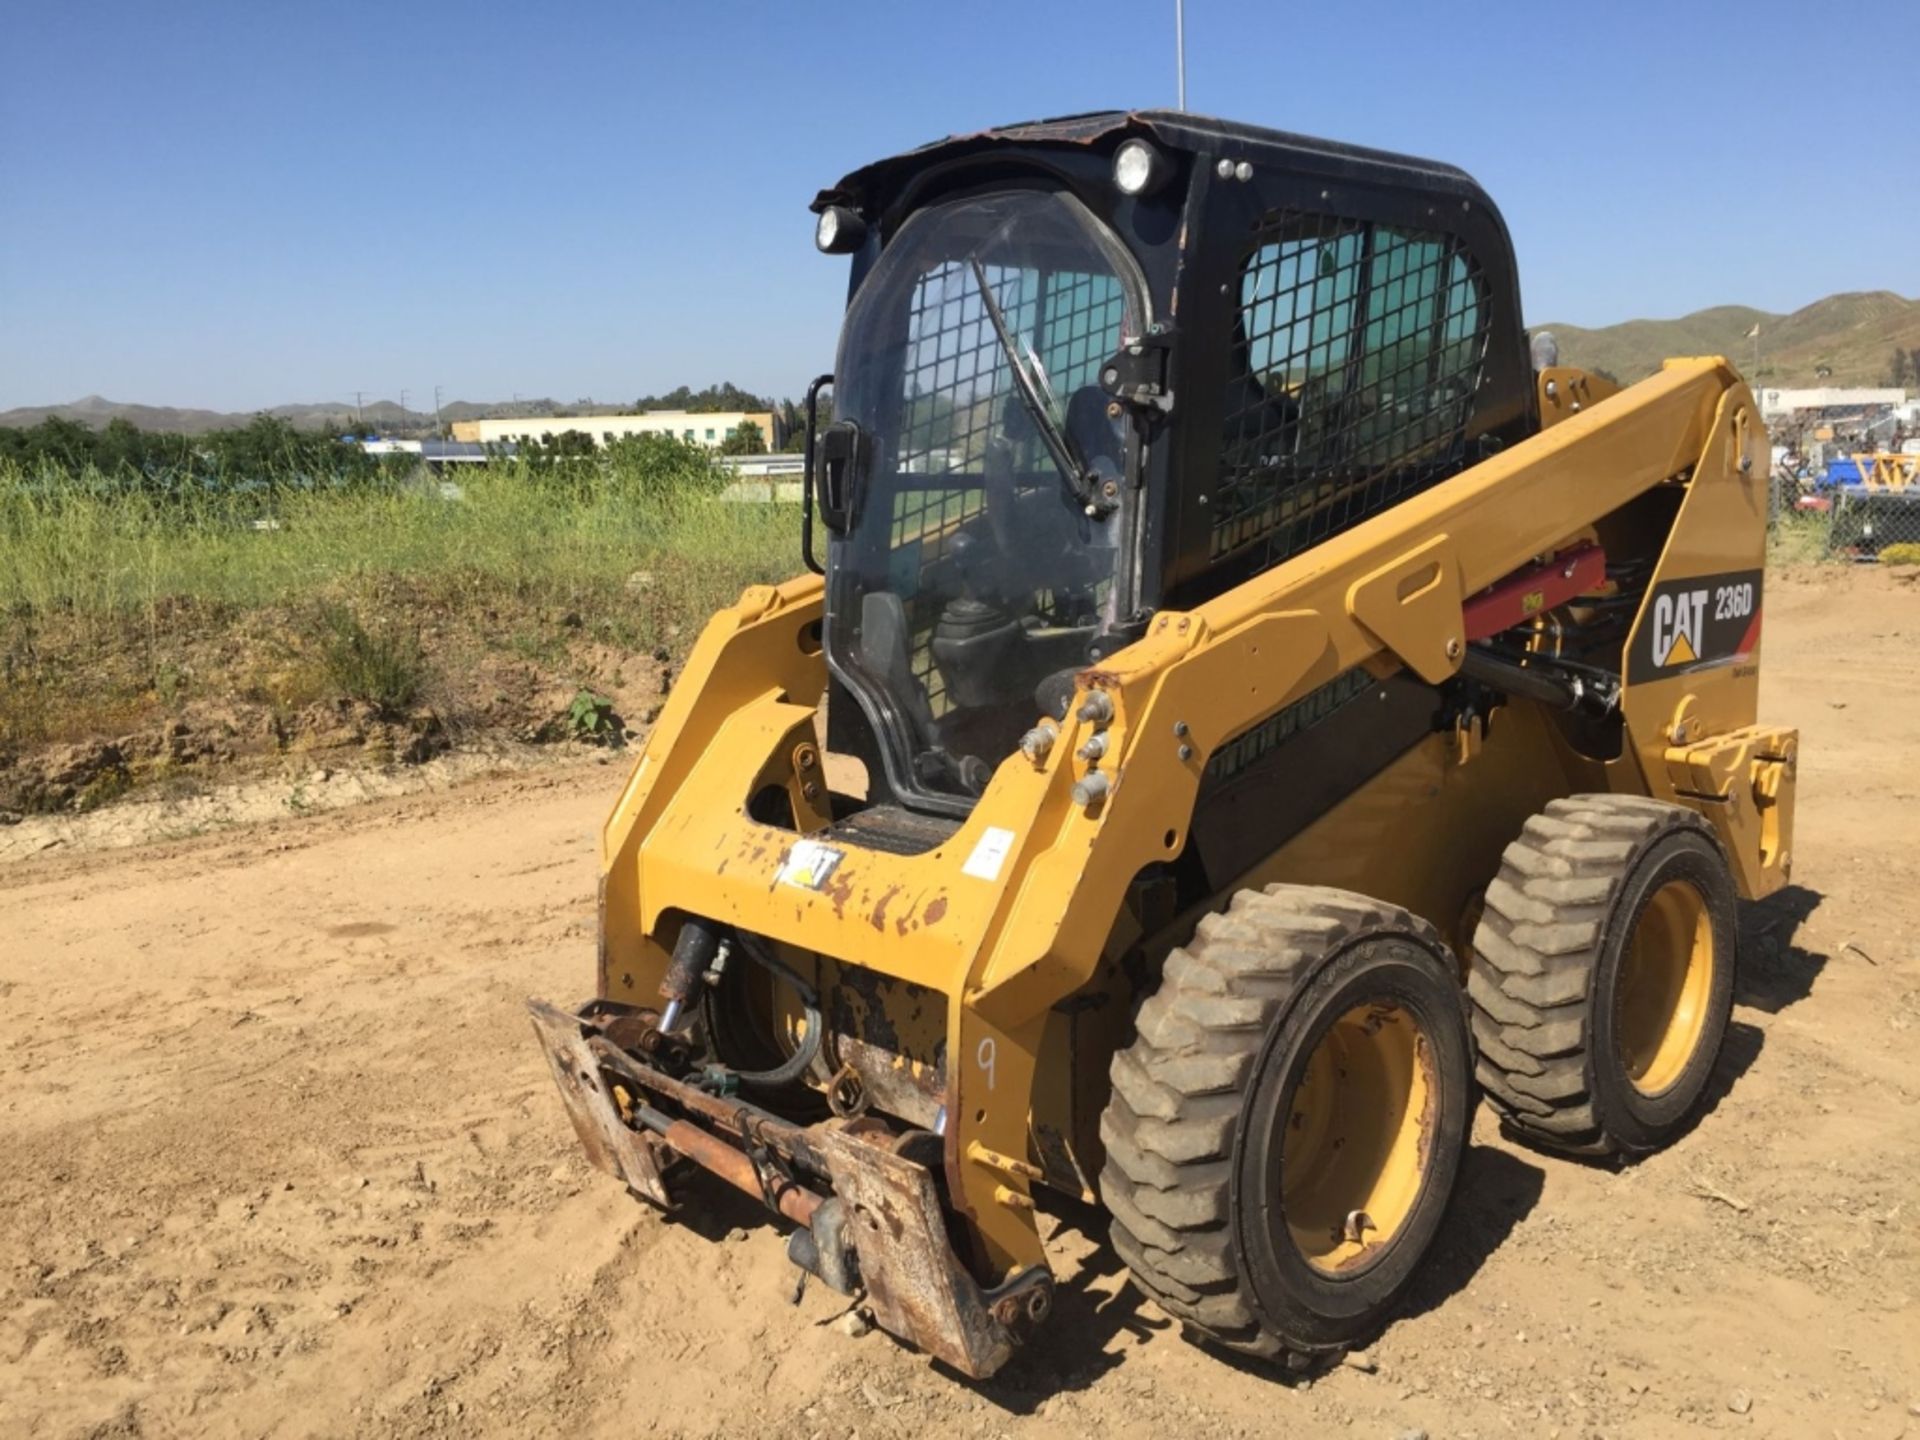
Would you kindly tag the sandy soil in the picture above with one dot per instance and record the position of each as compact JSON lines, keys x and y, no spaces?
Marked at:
{"x":281,"y":1159}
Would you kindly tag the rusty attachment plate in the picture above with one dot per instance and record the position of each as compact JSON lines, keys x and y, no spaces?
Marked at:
{"x":623,"y":1153}
{"x":916,"y":1286}
{"x":885,"y":1207}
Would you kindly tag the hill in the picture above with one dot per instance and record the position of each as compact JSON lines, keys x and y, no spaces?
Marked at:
{"x":95,"y":411}
{"x":1851,"y":336}
{"x":1846,"y":339}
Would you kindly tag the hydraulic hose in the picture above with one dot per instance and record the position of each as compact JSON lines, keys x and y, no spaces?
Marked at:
{"x":795,"y":1065}
{"x":693,"y":954}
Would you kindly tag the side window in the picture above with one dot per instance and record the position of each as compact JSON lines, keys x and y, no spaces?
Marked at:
{"x":1357,"y":358}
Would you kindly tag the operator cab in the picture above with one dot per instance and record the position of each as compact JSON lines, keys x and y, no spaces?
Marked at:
{"x":1096,"y":367}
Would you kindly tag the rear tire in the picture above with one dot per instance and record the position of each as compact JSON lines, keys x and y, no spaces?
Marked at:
{"x":1602,"y":974}
{"x":1287,"y":1126}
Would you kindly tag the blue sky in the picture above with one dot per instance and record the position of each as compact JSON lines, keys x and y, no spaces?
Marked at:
{"x":238,"y":205}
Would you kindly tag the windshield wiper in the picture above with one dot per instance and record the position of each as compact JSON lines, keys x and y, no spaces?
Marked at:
{"x":1073,"y":467}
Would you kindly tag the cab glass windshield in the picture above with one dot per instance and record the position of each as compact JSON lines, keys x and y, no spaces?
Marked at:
{"x":971,"y":580}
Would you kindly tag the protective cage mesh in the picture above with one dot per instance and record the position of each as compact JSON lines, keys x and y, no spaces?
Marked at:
{"x":1357,"y":363}
{"x":959,"y":394}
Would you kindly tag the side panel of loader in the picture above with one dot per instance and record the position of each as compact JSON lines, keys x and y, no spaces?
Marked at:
{"x":1692,"y":665}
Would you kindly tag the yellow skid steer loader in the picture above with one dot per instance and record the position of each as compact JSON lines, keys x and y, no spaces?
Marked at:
{"x":1247,"y":704}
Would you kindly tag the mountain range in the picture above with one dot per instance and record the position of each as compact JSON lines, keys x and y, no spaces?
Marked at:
{"x":1846,"y":339}
{"x":97,"y":410}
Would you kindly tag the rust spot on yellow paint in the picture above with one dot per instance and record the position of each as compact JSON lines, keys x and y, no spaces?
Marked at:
{"x":879,"y":917}
{"x":936,"y":908}
{"x":839,"y":890}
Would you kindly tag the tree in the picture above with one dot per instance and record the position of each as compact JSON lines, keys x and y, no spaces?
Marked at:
{"x":1899,"y":370}
{"x":793,"y":421}
{"x":713,"y":400}
{"x":746,"y":438}
{"x":61,"y":441}
{"x":662,"y":467}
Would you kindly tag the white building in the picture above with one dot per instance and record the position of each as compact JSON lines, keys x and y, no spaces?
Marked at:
{"x":697,"y":426}
{"x":1786,"y":402}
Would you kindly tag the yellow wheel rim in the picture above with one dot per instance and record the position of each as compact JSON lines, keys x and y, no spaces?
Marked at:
{"x":1666,"y":977}
{"x":1358,"y":1136}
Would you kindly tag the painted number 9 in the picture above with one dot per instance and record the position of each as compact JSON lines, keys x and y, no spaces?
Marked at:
{"x":984,"y":1058}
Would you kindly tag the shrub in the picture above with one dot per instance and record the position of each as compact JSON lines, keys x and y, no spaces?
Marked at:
{"x":1904,"y":553}
{"x":385,"y":667}
{"x":591,"y":718}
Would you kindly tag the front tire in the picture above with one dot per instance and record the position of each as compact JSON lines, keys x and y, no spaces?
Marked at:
{"x":1286,"y":1128}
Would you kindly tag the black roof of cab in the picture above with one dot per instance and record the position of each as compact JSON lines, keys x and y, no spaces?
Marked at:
{"x":874,"y":189}
{"x":1192,"y":242}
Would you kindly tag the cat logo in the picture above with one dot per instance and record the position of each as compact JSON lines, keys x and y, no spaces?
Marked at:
{"x":1679,"y":627}
{"x":1697,"y":623}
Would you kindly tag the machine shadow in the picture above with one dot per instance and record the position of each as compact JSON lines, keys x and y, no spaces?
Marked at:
{"x":1738,"y":1053}
{"x":1096,"y":1304}
{"x":1774,"y":972}
{"x":1091,"y":1308}
{"x":1496,"y":1191}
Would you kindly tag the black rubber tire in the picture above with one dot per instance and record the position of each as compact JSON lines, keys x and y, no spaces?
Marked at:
{"x":1198,"y":1096}
{"x":1546,"y":967}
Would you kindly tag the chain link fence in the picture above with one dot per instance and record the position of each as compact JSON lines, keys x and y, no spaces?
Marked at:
{"x":1863,"y":508}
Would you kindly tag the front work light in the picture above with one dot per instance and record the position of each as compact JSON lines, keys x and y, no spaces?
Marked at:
{"x":840,"y":231}
{"x":1139,"y":169}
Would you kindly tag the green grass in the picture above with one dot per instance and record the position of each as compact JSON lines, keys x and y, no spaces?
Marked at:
{"x":121,"y":605}
{"x":650,"y":561}
{"x":1801,"y":538}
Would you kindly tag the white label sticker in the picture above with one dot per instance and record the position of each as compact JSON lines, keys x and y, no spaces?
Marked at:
{"x":989,"y":854}
{"x":809,"y":864}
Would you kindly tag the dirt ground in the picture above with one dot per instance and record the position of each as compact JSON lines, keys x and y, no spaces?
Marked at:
{"x":281,"y":1159}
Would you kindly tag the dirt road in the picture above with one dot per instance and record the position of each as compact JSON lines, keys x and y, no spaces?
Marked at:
{"x":281,"y":1159}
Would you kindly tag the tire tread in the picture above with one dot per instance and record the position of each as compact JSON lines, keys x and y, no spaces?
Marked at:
{"x":1535,"y":952}
{"x":1179,"y":1087}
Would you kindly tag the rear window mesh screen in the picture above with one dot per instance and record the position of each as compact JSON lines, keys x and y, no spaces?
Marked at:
{"x":1357,"y":361}
{"x":959,"y":394}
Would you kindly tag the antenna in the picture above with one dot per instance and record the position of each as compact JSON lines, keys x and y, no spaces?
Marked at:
{"x":1180,"y":46}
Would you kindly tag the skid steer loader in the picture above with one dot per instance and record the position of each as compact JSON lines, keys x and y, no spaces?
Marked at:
{"x":1252,"y":704}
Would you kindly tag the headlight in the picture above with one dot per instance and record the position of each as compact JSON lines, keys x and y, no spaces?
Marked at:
{"x":840,"y":231}
{"x":1139,"y":169}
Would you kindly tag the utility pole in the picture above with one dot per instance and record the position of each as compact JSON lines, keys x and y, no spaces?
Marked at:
{"x":358,"y":422}
{"x":1180,"y":46}
{"x":436,"y":410}
{"x":403,"y":407}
